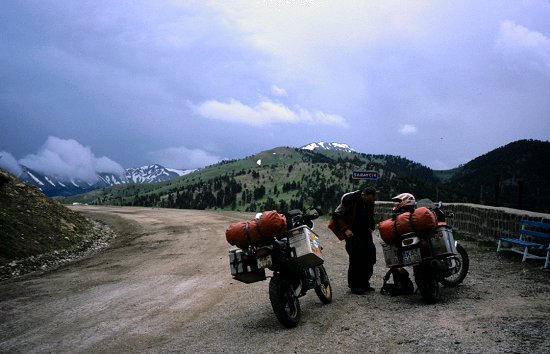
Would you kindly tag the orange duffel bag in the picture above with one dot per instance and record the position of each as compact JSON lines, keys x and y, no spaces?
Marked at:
{"x":270,"y":224}
{"x":242,"y":234}
{"x":422,"y":219}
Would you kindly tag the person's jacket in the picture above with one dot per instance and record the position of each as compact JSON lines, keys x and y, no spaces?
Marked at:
{"x":355,"y":214}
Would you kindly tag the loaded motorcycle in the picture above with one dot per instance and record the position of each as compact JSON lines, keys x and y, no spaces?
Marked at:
{"x":296,"y":263}
{"x":433,"y":253}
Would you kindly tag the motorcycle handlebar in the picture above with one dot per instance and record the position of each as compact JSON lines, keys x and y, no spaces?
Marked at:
{"x":298,"y":217}
{"x":439,"y":205}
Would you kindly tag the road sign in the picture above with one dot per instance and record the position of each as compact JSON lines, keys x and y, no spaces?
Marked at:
{"x":371,"y":175}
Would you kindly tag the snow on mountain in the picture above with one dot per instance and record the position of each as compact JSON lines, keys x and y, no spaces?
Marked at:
{"x":57,"y":186}
{"x":111,"y":179}
{"x":153,"y":173}
{"x":328,"y":146}
{"x":52,"y":185}
{"x":34,"y":178}
{"x":180,"y":172}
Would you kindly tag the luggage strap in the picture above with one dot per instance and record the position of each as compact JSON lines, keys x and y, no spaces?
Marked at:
{"x":394,"y":229}
{"x":247,"y":234}
{"x":411,"y":221}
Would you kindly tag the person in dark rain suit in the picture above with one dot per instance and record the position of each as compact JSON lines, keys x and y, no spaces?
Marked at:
{"x":355,"y":217}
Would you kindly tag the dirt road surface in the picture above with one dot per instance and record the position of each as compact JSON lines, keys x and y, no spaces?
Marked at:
{"x":164,"y":285}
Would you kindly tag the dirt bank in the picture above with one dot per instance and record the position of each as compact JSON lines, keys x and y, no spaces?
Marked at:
{"x":164,"y":286}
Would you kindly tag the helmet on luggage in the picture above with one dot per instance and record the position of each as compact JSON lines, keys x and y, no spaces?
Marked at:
{"x":404,"y":202}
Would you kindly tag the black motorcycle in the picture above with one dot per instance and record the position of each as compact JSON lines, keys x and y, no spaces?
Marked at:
{"x":435,"y":256}
{"x":295,"y":261}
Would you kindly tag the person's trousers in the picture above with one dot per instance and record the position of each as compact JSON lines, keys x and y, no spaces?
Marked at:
{"x":362,"y":256}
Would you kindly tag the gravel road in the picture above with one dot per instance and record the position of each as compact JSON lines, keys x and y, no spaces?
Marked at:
{"x":164,"y":286}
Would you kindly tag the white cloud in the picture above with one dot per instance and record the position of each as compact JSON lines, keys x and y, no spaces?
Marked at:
{"x":9,"y":163}
{"x":278,"y":91}
{"x":319,"y":41}
{"x":184,"y":158}
{"x":105,"y":164}
{"x":524,"y":46}
{"x":407,"y":129}
{"x":265,"y":112}
{"x":67,"y":158}
{"x":329,"y":119}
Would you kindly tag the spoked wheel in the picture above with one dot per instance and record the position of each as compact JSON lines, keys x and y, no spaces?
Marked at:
{"x":323,"y":291}
{"x":284,"y":301}
{"x":463,"y":264}
{"x":427,"y":283}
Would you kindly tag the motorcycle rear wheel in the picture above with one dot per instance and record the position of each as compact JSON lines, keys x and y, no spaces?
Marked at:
{"x":284,"y":301}
{"x":463,"y":266}
{"x":323,"y":291}
{"x":427,"y":283}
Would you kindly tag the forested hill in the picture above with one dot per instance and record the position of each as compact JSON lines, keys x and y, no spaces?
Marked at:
{"x":279,"y":178}
{"x":283,"y":178}
{"x":515,"y":175}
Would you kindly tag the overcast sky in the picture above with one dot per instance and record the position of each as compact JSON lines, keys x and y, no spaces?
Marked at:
{"x":111,"y":84}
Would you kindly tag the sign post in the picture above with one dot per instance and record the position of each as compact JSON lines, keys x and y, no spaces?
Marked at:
{"x":368,"y":175}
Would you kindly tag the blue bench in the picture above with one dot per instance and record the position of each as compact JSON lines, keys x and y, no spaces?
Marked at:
{"x":533,"y":235}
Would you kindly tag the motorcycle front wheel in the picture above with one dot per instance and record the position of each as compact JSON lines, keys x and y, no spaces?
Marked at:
{"x":284,"y":301}
{"x":323,"y":291}
{"x":427,"y":283}
{"x":463,"y":265}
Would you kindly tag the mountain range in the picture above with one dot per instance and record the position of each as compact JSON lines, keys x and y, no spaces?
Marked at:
{"x":318,"y":174}
{"x":513,"y":175}
{"x":52,"y":185}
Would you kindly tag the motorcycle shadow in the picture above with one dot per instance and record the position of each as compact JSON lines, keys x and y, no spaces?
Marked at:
{"x":263,"y":320}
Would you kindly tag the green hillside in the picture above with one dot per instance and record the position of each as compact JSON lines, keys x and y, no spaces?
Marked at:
{"x":280,"y":178}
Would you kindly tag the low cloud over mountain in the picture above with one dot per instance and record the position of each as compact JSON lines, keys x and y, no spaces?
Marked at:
{"x":66,"y":159}
{"x":66,"y":167}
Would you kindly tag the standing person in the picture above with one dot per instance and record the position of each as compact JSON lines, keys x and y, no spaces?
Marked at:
{"x":355,"y":217}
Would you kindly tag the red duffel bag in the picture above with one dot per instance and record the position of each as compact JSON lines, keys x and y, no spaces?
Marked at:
{"x":242,"y":234}
{"x":387,"y":232}
{"x":270,"y":224}
{"x":422,"y":219}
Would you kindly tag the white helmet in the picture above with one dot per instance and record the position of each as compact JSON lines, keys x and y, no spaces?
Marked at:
{"x":405,"y":201}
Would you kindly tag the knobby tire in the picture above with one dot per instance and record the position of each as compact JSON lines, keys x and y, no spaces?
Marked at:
{"x":323,"y":291}
{"x":427,"y":283}
{"x":285,"y":303}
